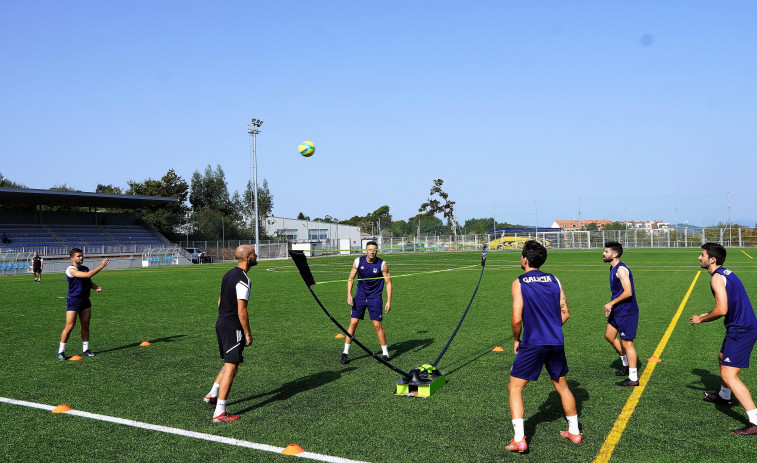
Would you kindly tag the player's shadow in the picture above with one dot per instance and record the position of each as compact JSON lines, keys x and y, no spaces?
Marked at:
{"x":399,"y":348}
{"x":151,"y":341}
{"x":707,"y":381}
{"x":711,"y":382}
{"x":551,"y":409}
{"x":287,"y":390}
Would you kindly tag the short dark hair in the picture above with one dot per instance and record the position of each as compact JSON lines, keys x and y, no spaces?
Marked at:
{"x":74,"y":251}
{"x":615,"y":246}
{"x":371,"y":243}
{"x":535,"y":253}
{"x":715,"y":250}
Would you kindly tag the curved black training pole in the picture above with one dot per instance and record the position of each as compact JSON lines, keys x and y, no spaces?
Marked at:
{"x":483,"y":264}
{"x":301,"y":262}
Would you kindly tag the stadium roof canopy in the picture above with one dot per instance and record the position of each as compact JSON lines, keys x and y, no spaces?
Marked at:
{"x":24,"y":197}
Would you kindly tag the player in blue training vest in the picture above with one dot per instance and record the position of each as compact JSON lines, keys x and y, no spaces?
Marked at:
{"x":622,"y":314}
{"x":732,"y":303}
{"x":77,"y":300}
{"x":540,"y":308}
{"x":373,"y":275}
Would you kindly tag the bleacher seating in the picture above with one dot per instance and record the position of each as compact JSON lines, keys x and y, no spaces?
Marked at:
{"x":109,"y":237}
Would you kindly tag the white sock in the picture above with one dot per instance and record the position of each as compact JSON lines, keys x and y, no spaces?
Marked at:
{"x":220,"y":408}
{"x":214,"y":390}
{"x":624,"y":359}
{"x":518,"y":428}
{"x":633,"y":374}
{"x":573,"y":424}
{"x":725,"y":393}
{"x":347,"y":348}
{"x":62,"y":348}
{"x":752,"y":415}
{"x":84,"y":346}
{"x":385,"y":350}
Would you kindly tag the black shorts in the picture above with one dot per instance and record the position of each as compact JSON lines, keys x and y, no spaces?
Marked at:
{"x":37,"y":269}
{"x":230,"y":344}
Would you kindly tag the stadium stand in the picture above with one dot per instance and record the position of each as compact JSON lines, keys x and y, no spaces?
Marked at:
{"x":56,"y":239}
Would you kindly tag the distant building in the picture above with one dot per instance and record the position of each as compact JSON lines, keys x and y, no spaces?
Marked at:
{"x":574,"y":225}
{"x":300,"y":231}
{"x":647,"y":225}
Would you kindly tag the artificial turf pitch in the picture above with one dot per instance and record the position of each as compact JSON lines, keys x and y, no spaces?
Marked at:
{"x":292,"y":389}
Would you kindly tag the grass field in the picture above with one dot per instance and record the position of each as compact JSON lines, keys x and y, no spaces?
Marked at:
{"x":292,"y":389}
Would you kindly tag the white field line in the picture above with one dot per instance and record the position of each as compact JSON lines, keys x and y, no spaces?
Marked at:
{"x":182,"y":432}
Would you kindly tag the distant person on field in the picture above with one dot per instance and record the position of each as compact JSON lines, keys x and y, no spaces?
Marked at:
{"x":540,"y":308}
{"x":731,"y":302}
{"x":77,"y":301}
{"x":5,"y":238}
{"x":622,"y":314}
{"x":232,"y":329}
{"x":37,"y":264}
{"x":373,"y":275}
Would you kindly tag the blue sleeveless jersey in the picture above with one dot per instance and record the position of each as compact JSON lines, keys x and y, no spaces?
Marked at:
{"x":370,"y":288}
{"x":627,"y":306}
{"x":740,"y":312}
{"x":78,"y":289}
{"x":542,"y":321}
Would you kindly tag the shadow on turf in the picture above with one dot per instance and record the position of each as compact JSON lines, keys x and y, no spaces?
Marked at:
{"x":551,"y":409}
{"x":399,"y":348}
{"x":467,"y":363}
{"x":287,"y":390}
{"x":711,"y":382}
{"x":136,"y":344}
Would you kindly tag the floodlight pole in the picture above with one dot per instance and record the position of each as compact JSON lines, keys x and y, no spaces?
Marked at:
{"x":253,"y":128}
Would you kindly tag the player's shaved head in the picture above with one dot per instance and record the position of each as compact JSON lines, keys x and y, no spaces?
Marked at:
{"x":243,"y":252}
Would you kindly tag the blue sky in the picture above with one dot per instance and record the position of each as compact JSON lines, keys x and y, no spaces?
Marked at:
{"x":531,"y":111}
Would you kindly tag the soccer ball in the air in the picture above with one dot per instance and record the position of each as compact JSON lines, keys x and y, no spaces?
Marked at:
{"x":307,"y":148}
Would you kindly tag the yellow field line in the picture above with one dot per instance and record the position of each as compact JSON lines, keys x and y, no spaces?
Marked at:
{"x":747,"y":254}
{"x":612,"y":439}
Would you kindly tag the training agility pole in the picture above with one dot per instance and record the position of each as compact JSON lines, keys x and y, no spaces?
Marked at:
{"x":300,"y":261}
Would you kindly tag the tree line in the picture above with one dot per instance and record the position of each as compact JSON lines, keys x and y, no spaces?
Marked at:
{"x":206,"y":210}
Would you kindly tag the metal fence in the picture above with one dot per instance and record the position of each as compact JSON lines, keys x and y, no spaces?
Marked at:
{"x":584,"y":239}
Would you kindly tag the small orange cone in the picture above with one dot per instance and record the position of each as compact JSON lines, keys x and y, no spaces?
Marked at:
{"x":340,"y":335}
{"x":498,"y":349}
{"x":75,"y":357}
{"x":62,"y":408}
{"x":654,"y":358}
{"x":292,"y":449}
{"x":145,"y":343}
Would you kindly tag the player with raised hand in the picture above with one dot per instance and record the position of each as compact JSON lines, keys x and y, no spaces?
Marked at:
{"x":80,"y":285}
{"x":732,"y":303}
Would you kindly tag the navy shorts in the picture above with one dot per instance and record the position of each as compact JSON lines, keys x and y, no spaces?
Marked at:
{"x":625,"y":324}
{"x":230,"y":344}
{"x":77,"y":308}
{"x":373,"y":306}
{"x":530,"y":359}
{"x":737,"y":348}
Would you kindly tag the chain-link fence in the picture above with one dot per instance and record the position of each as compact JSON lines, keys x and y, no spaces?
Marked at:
{"x":223,"y":250}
